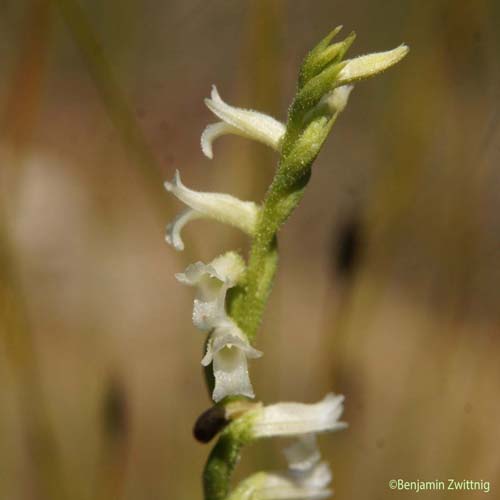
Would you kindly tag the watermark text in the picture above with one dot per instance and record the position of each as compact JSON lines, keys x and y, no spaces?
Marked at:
{"x":449,"y":484}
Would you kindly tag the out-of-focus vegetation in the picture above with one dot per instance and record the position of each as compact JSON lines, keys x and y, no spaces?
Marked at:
{"x":388,"y":288}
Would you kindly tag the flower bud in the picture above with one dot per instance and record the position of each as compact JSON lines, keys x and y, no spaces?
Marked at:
{"x":365,"y":66}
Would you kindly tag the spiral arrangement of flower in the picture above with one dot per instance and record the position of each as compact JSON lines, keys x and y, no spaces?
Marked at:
{"x":231,"y":292}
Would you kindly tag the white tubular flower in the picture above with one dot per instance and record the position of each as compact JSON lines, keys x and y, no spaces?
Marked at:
{"x":228,"y":350}
{"x":212,"y":282}
{"x":291,"y":419}
{"x":370,"y":64}
{"x":307,"y":478}
{"x":243,"y":122}
{"x":222,"y":207}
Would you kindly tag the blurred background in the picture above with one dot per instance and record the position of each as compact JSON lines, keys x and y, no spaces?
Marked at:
{"x":388,"y":285}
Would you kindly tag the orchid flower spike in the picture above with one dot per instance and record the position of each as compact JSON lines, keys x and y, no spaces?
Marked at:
{"x":228,"y":349}
{"x":212,"y":282}
{"x":222,"y":207}
{"x":243,"y":122}
{"x":292,"y":419}
{"x":307,"y":478}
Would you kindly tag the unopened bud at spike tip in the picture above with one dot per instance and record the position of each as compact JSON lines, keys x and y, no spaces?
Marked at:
{"x":371,"y":64}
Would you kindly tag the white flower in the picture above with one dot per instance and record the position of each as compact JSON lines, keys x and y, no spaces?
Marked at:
{"x":290,"y":419}
{"x":212,"y":282}
{"x":307,"y":478}
{"x":370,"y":64}
{"x":228,"y":347}
{"x":337,"y":99}
{"x":228,"y":350}
{"x":222,"y":207}
{"x":243,"y":122}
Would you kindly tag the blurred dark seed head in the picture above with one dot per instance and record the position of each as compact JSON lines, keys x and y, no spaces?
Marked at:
{"x":210,"y":423}
{"x":347,"y":245}
{"x":115,"y":412}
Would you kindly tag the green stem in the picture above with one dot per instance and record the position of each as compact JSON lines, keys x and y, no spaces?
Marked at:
{"x":285,"y":193}
{"x":247,"y":308}
{"x":223,"y":459}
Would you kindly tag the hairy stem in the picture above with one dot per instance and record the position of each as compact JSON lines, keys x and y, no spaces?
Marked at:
{"x":223,"y":459}
{"x":284,"y":194}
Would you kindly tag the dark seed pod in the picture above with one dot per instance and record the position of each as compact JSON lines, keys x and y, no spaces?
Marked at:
{"x":209,"y":423}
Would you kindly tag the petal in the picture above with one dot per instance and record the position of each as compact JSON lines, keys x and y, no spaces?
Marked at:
{"x":229,"y":266}
{"x":173,"y":236}
{"x":318,"y":478}
{"x":370,"y":64}
{"x":304,"y":464}
{"x":304,"y":454}
{"x":222,"y":207}
{"x":289,"y":419}
{"x":212,"y":132}
{"x":209,"y":355}
{"x":195,"y":273}
{"x":244,"y":122}
{"x":276,"y":486}
{"x":226,"y":268}
{"x":287,"y":490}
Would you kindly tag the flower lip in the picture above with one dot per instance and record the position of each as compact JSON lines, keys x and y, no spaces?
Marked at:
{"x":228,"y":335}
{"x":228,"y":349}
